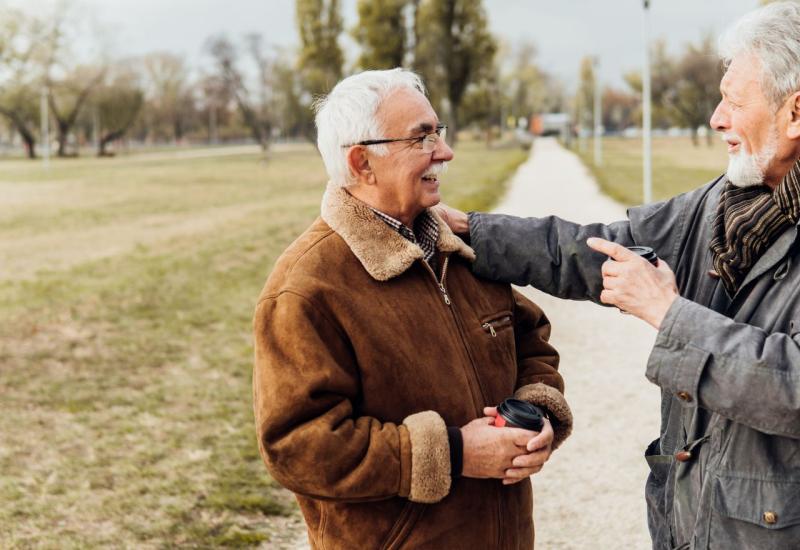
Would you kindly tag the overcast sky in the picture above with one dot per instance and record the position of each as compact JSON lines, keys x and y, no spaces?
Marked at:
{"x":563,"y":30}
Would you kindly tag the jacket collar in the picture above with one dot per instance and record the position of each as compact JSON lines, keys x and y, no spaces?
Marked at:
{"x":384,"y":253}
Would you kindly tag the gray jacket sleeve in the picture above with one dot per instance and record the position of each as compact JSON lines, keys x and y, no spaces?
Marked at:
{"x":551,"y":253}
{"x":736,"y":370}
{"x":548,"y":253}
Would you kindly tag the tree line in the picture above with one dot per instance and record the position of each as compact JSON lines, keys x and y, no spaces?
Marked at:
{"x":684,"y":90}
{"x":253,"y":90}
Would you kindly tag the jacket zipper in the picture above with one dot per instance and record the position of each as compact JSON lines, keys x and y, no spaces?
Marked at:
{"x":488,"y":326}
{"x":443,"y":289}
{"x":440,"y":282}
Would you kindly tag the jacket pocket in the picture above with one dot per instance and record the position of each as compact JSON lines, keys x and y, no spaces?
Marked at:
{"x":755,"y":513}
{"x":495,"y":323}
{"x":498,"y":344}
{"x":659,"y":464}
{"x":402,"y":527}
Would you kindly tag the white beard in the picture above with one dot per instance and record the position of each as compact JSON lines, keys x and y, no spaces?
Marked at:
{"x":746,"y":169}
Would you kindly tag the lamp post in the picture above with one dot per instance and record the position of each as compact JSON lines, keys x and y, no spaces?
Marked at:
{"x":647,"y":149}
{"x":45,"y":126}
{"x":598,"y":116}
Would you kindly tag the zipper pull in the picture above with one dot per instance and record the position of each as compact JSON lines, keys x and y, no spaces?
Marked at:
{"x":490,"y":328}
{"x":444,"y":294}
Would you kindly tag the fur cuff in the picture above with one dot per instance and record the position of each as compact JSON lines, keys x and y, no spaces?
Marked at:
{"x":430,"y":457}
{"x":553,"y":400}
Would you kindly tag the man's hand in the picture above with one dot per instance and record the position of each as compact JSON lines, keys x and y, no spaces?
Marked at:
{"x":538,"y":451}
{"x":455,"y":219}
{"x":633,"y":284}
{"x":490,"y":451}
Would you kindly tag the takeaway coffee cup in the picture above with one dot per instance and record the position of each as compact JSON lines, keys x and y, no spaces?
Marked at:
{"x":645,"y":252}
{"x":516,"y":413}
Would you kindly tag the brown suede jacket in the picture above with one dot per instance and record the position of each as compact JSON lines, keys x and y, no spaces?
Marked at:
{"x":363,"y":358}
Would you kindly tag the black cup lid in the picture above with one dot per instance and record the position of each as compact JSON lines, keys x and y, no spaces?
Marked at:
{"x":645,"y":252}
{"x":521,"y":414}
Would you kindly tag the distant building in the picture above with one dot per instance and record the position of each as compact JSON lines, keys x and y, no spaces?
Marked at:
{"x":551,"y":124}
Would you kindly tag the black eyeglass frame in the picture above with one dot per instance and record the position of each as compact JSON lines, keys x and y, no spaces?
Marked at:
{"x":419,"y":139}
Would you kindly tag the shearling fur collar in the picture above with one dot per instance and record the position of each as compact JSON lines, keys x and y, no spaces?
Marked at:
{"x":384,"y":253}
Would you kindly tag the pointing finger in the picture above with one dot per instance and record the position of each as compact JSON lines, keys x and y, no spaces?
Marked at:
{"x":613,"y":250}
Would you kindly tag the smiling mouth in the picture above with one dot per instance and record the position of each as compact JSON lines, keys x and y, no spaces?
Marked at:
{"x":431,"y":179}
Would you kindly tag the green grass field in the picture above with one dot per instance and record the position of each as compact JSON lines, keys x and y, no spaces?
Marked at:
{"x":677,"y":166}
{"x":127,"y":288}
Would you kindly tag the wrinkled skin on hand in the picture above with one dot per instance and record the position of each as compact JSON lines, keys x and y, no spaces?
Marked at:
{"x":510,"y":454}
{"x":456,"y":220}
{"x":634,"y":285}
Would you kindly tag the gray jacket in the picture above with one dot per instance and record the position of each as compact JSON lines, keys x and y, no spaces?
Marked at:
{"x":728,"y":368}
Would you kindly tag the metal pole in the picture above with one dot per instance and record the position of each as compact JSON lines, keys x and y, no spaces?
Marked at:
{"x":647,"y":149}
{"x":96,"y":129}
{"x":212,"y":125}
{"x":598,"y":116}
{"x":45,"y":127}
{"x":579,"y":108}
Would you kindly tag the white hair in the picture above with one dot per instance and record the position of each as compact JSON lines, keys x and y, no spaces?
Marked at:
{"x":347,"y":115}
{"x":772,"y":34}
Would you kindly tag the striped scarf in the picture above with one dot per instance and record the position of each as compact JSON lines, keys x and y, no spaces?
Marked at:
{"x":748,"y":221}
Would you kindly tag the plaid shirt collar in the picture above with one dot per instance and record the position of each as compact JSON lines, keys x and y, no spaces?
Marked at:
{"x":425,"y":233}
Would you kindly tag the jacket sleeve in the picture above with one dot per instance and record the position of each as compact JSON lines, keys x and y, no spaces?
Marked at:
{"x":305,"y":383}
{"x":736,"y":370}
{"x":538,"y":379}
{"x":551,"y":254}
{"x":548,"y":253}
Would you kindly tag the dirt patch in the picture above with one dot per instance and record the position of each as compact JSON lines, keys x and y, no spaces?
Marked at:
{"x":23,"y":258}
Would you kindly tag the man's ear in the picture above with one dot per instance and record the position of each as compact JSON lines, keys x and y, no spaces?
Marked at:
{"x":359,"y":166}
{"x":793,"y":129}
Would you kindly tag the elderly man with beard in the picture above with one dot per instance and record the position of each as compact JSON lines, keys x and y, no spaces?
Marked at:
{"x":380,"y":356}
{"x":724,"y":297}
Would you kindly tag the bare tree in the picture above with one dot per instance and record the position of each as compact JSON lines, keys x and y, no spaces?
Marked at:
{"x":695,"y":91}
{"x":684,"y":90}
{"x":662,"y":78}
{"x":21,"y":61}
{"x":619,"y":109}
{"x":169,"y":93}
{"x":117,"y":101}
{"x":68,"y":96}
{"x":253,"y":101}
{"x":69,"y":83}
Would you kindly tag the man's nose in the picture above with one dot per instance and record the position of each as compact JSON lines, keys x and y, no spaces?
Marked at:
{"x":720,"y":119}
{"x":443,"y":152}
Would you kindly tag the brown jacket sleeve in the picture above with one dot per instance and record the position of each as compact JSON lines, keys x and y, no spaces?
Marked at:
{"x":305,"y":381}
{"x":538,"y":379}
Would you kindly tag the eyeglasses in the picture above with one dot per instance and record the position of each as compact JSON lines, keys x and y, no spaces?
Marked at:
{"x":428,"y":141}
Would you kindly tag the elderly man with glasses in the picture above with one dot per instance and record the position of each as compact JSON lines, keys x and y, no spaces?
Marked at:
{"x":380,"y":357}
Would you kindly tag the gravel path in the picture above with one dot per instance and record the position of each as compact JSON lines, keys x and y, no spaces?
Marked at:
{"x":591,"y":493}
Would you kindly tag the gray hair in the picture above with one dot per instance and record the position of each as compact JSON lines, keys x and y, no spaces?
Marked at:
{"x":772,"y":34}
{"x":347,"y":115}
